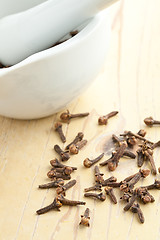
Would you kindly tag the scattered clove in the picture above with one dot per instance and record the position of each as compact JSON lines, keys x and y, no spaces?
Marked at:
{"x":126,"y":196}
{"x":140,"y":157}
{"x":115,"y":160}
{"x":142,"y":133}
{"x":109,"y":180}
{"x":119,"y":141}
{"x":74,"y":148}
{"x":132,"y":200}
{"x":85,"y":218}
{"x":104,"y":119}
{"x":65,"y":170}
{"x":64,"y":155}
{"x":129,"y":133}
{"x":67,"y":116}
{"x":53,"y":174}
{"x":88,"y":163}
{"x":68,"y":202}
{"x":96,"y":187}
{"x":136,"y":209}
{"x":116,"y":139}
{"x":99,"y":196}
{"x":64,"y":188}
{"x":129,"y":185}
{"x":56,"y":204}
{"x":155,"y":185}
{"x":78,"y":138}
{"x":57,"y":164}
{"x":108,"y":160}
{"x":131,"y":141}
{"x":149,"y":155}
{"x":150,"y":121}
{"x":54,"y":184}
{"x":129,"y":154}
{"x":98,"y":175}
{"x":109,"y":191}
{"x":155,"y":145}
{"x":58,"y":128}
{"x":144,"y":195}
{"x":113,"y":184}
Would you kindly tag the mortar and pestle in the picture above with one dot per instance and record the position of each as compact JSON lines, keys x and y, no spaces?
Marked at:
{"x":41,"y":82}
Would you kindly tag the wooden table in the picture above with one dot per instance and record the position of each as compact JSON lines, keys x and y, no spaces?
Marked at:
{"x":129,"y":82}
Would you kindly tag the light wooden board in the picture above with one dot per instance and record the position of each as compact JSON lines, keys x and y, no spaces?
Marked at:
{"x":129,"y":82}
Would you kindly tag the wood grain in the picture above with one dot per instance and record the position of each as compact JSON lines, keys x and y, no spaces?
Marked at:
{"x":129,"y":82}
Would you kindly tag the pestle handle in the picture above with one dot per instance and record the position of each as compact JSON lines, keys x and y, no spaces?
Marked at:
{"x":38,"y":28}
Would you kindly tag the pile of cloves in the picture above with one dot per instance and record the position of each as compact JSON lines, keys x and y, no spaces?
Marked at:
{"x":123,"y":148}
{"x":128,"y":144}
{"x":60,"y":172}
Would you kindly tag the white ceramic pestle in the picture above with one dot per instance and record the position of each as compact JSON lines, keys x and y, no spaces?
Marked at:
{"x":38,"y":28}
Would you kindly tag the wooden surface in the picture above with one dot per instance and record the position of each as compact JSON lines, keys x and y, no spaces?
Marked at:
{"x":129,"y":82}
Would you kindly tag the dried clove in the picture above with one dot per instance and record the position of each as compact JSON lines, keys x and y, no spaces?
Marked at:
{"x":57,"y":164}
{"x":98,"y":175}
{"x":54,"y":184}
{"x":68,"y":202}
{"x":53,"y":174}
{"x":108,"y":160}
{"x":131,"y":140}
{"x":142,"y":133}
{"x":64,"y":155}
{"x":132,"y":200}
{"x":96,"y":187}
{"x":56,"y":204}
{"x":74,"y":33}
{"x":64,"y":188}
{"x":113,"y":184}
{"x":104,"y":119}
{"x":109,"y":191}
{"x":74,"y":148}
{"x":119,"y":141}
{"x":155,"y":145}
{"x":155,"y":185}
{"x":144,"y":195}
{"x":140,"y":157}
{"x":149,"y":155}
{"x":136,"y":209}
{"x":88,"y":163}
{"x":85,"y":218}
{"x":129,"y":185}
{"x":116,"y":139}
{"x":109,"y":180}
{"x":127,"y":179}
{"x":129,"y":133}
{"x":115,"y":160}
{"x":67,"y":116}
{"x":129,"y":154}
{"x":145,"y":152}
{"x":65,"y":170}
{"x":78,"y":138}
{"x":99,"y":196}
{"x":58,"y":128}
{"x":126,"y":196}
{"x":149,"y":121}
